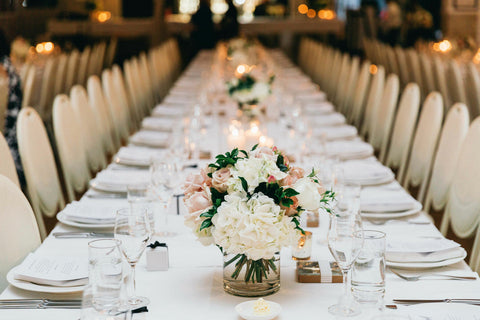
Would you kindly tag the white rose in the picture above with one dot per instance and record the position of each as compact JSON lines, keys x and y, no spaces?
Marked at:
{"x":309,"y":196}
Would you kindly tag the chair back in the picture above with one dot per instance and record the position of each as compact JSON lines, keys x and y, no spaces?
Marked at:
{"x":373,"y":100}
{"x":452,"y":136}
{"x":381,"y":129}
{"x":424,"y":144}
{"x":61,"y":74}
{"x":426,"y":68}
{"x":472,"y":84}
{"x":127,"y":104}
{"x":47,"y":89}
{"x":90,"y":128}
{"x":43,"y":183}
{"x":117,"y":110}
{"x":99,"y":107}
{"x":83,"y":65}
{"x":339,"y":92}
{"x":392,"y":61}
{"x":350,"y":83}
{"x":110,"y":53}
{"x":463,"y":206}
{"x":455,"y":83}
{"x":29,"y":87}
{"x":356,"y":113}
{"x":3,"y":101}
{"x":402,"y":66}
{"x":441,"y":82}
{"x":72,"y":70}
{"x":70,"y":146}
{"x":19,"y":232}
{"x":7,"y":165}
{"x":413,"y":64}
{"x":403,"y":128}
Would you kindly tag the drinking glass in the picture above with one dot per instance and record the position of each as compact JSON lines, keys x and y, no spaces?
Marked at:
{"x":132,"y":228}
{"x":368,"y":272}
{"x":345,"y":240}
{"x":164,"y":178}
{"x":105,"y":275}
{"x":141,"y":196}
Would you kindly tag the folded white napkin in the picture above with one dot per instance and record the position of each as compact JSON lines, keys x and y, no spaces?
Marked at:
{"x":158,"y":124}
{"x":180,"y":100}
{"x":318,"y":108}
{"x":312,"y":97}
{"x":136,"y":155}
{"x":59,"y":271}
{"x":91,"y":213}
{"x":353,"y":149}
{"x":385,"y":200}
{"x":366,"y":172}
{"x":333,"y":119}
{"x":335,"y":133}
{"x":163,"y":110}
{"x":118,"y":180}
{"x":411,"y":249}
{"x":150,"y":138}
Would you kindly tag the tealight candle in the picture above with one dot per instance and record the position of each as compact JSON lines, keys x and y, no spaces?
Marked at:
{"x":303,"y":249}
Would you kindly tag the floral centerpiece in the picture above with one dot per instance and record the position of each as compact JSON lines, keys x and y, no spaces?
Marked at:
{"x":249,"y":204}
{"x":249,"y":90}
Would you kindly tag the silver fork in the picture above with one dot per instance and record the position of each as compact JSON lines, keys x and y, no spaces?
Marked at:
{"x":40,"y":304}
{"x":446,"y":276}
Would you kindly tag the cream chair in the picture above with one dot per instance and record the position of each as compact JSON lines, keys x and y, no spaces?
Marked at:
{"x":110,"y":53}
{"x":83,"y":66}
{"x":349,"y":85}
{"x":61,"y":74}
{"x":71,"y":147}
{"x":455,"y":83}
{"x":3,"y":101}
{"x":43,"y":183}
{"x":403,"y":128}
{"x":332,"y":73}
{"x":47,"y":90}
{"x":29,"y":87}
{"x":90,"y":128}
{"x":462,"y":212}
{"x":72,"y":70}
{"x":155,"y":78}
{"x":402,"y":66}
{"x":23,"y":72}
{"x":424,"y":144}
{"x":392,"y":61}
{"x":102,"y":113}
{"x":381,"y":128}
{"x":453,"y":133}
{"x":355,"y":112}
{"x":426,"y":69}
{"x":146,"y":77}
{"x":472,"y":86}
{"x":127,"y":103}
{"x":140,"y":89}
{"x":413,"y":64}
{"x":118,"y":112}
{"x":373,"y":100}
{"x":441,"y":82}
{"x":133,"y":90}
{"x":339,"y":88}
{"x":19,"y":234}
{"x":7,"y":165}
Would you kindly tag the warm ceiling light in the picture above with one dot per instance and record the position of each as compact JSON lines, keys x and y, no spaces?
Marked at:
{"x":329,"y":14}
{"x":104,"y":16}
{"x":311,"y":13}
{"x":40,"y":48}
{"x":373,"y":69}
{"x":445,"y":46}
{"x":303,"y":9}
{"x":48,"y":46}
{"x":476,"y":58}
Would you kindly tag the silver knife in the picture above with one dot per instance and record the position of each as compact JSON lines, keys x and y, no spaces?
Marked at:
{"x":72,"y":235}
{"x":416,"y":301}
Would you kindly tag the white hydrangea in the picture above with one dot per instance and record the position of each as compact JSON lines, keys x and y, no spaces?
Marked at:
{"x":256,"y":227}
{"x":254,"y":171}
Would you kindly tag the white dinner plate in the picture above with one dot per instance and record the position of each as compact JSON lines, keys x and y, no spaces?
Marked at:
{"x":97,"y":226}
{"x":108,"y":188}
{"x":390,"y":215}
{"x":427,"y":265}
{"x":29,"y":286}
{"x":132,"y":162}
{"x":245,"y":310}
{"x":443,"y":311}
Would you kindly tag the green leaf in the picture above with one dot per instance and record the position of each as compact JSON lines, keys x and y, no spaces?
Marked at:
{"x":206,"y":224}
{"x":312,"y":174}
{"x":244,"y":152}
{"x":290,"y":192}
{"x":244,"y":184}
{"x":281,"y":163}
{"x":255,"y":147}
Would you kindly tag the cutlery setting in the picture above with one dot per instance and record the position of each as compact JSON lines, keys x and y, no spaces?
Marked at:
{"x":418,"y":301}
{"x":40,"y":304}
{"x":74,"y":235}
{"x":432,"y":276}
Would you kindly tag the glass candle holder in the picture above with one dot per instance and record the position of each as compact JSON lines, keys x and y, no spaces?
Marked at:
{"x":303,"y":249}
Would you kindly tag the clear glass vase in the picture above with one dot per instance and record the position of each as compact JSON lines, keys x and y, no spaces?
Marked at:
{"x":251,"y":278}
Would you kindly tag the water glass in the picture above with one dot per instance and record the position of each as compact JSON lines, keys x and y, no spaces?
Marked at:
{"x":105,"y":274}
{"x":368,"y":273}
{"x":141,"y":196}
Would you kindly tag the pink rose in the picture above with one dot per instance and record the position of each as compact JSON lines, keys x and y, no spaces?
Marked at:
{"x":294,"y":174}
{"x":198,"y":202}
{"x":220,"y":178}
{"x":196,"y":182}
{"x":266,"y":152}
{"x":292,"y":210}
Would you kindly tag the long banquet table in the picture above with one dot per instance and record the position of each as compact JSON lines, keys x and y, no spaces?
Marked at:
{"x":192,"y":288}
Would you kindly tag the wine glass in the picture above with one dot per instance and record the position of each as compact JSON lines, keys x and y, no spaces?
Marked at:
{"x":164,"y":180}
{"x":141,"y":195}
{"x":132,"y":228}
{"x":345,"y":240}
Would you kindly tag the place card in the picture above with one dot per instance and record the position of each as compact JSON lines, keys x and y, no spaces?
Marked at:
{"x":318,"y":272}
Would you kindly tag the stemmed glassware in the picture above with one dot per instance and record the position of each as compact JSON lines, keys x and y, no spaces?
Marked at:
{"x":345,"y":240}
{"x":132,"y":228}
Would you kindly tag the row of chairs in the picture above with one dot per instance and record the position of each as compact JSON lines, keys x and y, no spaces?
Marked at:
{"x":432,"y":72}
{"x":436,"y":158}
{"x":90,"y":125}
{"x":60,"y":73}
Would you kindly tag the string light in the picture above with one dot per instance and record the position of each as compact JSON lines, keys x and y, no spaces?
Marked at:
{"x":303,"y":9}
